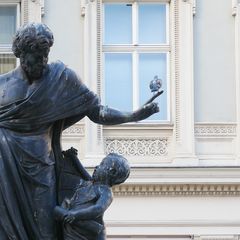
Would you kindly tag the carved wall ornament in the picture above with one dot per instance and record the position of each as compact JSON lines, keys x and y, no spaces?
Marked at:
{"x":137,"y":147}
{"x":75,"y":130}
{"x":187,"y":190}
{"x":217,"y":130}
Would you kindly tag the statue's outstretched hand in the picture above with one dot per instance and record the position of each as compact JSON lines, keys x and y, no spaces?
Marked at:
{"x":148,"y":109}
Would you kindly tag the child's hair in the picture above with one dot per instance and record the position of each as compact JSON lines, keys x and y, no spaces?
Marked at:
{"x":118,"y":167}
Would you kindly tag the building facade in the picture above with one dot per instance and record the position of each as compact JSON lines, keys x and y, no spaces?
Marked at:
{"x":185,"y":178}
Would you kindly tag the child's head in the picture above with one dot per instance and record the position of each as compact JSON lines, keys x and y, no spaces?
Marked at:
{"x":114,"y":169}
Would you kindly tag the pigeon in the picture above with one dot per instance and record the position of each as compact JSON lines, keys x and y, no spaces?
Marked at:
{"x":155,"y":84}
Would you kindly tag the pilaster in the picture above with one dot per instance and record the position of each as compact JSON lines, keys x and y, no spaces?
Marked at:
{"x":184,"y":84}
{"x":236,"y":14}
{"x":92,"y":58}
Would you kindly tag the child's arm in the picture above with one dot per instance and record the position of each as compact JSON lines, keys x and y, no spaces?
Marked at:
{"x":72,"y":153}
{"x":94,"y":211}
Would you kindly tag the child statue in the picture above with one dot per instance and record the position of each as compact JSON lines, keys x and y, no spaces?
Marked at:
{"x":82,"y":215}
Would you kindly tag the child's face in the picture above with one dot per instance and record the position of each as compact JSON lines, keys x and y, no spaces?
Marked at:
{"x":113,"y":169}
{"x":101,"y":172}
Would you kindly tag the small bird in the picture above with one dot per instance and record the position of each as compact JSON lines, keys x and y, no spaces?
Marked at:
{"x":155,"y":84}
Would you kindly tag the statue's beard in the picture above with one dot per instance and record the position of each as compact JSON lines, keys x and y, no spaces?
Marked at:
{"x":34,"y":71}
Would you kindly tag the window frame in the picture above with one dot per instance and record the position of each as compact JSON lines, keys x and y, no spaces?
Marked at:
{"x":136,"y":49}
{"x":6,"y":49}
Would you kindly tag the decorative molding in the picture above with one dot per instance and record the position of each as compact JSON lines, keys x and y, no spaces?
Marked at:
{"x":99,"y":61}
{"x":25,"y":11}
{"x":137,"y":147}
{"x":235,"y":5}
{"x":215,"y":130}
{"x":42,"y":4}
{"x":188,"y":229}
{"x":177,"y":69}
{"x":217,"y":237}
{"x":83,"y":11}
{"x":194,"y":7}
{"x":179,"y":224}
{"x":193,"y":2}
{"x":76,"y":130}
{"x":186,"y":190}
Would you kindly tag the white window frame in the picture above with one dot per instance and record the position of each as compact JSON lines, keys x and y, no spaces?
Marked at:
{"x":135,"y":49}
{"x":7,"y":48}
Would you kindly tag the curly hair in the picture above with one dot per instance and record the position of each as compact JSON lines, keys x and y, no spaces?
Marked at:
{"x":32,"y":37}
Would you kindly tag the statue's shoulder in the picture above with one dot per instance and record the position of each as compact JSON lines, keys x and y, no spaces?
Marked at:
{"x":59,"y":66}
{"x":6,"y":77}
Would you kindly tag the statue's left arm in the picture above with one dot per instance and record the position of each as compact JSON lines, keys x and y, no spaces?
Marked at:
{"x":102,"y":114}
{"x":109,"y":116}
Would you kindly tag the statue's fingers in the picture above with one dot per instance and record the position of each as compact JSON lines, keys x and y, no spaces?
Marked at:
{"x":155,"y":108}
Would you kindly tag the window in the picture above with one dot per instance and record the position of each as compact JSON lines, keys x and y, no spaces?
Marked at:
{"x":135,"y":49}
{"x":9,"y":19}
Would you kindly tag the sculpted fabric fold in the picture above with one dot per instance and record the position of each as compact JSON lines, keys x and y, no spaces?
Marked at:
{"x":28,"y":157}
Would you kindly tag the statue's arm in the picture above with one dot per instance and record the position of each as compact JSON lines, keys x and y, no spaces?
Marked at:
{"x":92,"y":212}
{"x":108,"y":116}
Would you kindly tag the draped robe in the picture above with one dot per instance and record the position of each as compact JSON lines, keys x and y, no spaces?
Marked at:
{"x":30,"y":152}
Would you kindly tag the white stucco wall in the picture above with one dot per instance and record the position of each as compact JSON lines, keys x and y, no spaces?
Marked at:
{"x":64,"y":19}
{"x":173,"y":215}
{"x":214,"y":67}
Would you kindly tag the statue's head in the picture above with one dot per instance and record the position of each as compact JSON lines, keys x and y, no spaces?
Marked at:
{"x":114,"y":169}
{"x":32,"y":44}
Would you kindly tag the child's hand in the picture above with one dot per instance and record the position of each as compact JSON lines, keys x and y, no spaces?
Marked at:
{"x":59,"y":213}
{"x":70,"y":217}
{"x":70,"y":152}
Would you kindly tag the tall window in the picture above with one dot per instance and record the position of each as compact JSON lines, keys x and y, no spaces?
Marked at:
{"x":136,"y":49}
{"x":9,"y":15}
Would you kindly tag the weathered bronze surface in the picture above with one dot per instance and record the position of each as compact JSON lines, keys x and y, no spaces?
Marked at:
{"x":37,"y":102}
{"x":82,"y":214}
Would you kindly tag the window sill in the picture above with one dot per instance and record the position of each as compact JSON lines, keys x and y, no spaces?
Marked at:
{"x":141,"y":126}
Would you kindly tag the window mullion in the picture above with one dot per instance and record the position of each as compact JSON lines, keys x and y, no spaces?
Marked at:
{"x":135,"y":56}
{"x":135,"y":23}
{"x":167,"y":23}
{"x":135,"y":80}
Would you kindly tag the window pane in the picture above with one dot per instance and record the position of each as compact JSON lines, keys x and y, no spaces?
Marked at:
{"x":152,"y":23}
{"x":117,"y":24}
{"x":118,"y":80}
{"x":150,"y":65}
{"x":7,"y":62}
{"x":7,"y":24}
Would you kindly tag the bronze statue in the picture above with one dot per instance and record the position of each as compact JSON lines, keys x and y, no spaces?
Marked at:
{"x":37,"y":102}
{"x":82,"y":214}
